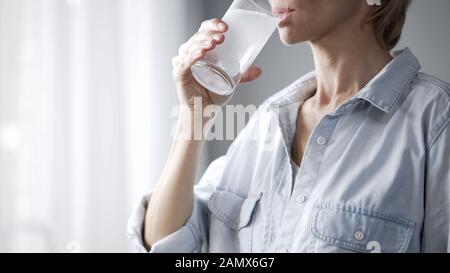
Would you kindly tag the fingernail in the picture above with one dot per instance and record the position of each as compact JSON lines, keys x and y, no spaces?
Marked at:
{"x":208,"y":43}
{"x":222,"y":26}
{"x":217,"y":37}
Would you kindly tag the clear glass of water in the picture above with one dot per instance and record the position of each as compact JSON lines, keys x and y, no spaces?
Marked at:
{"x":250,"y":25}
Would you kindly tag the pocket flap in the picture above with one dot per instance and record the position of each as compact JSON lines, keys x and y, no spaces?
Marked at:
{"x":234,"y":210}
{"x":361,"y":230}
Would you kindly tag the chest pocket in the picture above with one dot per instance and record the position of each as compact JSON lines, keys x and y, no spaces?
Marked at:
{"x":232,"y":209}
{"x":359,"y":230}
{"x":230,"y":223}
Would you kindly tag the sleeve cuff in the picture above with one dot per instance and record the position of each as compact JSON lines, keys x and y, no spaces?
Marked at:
{"x":183,"y":240}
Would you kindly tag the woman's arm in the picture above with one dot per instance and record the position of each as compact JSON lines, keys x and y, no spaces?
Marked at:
{"x":172,"y":199}
{"x":436,"y":230}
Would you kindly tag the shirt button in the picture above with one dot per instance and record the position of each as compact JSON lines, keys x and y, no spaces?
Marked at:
{"x":359,"y":235}
{"x":321,"y":141}
{"x":301,"y":199}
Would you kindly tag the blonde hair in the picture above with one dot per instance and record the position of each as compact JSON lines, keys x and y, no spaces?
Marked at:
{"x":388,"y":20}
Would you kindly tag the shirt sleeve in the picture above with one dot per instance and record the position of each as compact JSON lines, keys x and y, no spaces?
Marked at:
{"x":193,"y":236}
{"x":436,"y":231}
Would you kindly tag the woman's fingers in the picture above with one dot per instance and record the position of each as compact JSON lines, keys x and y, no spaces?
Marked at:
{"x":182,"y":66}
{"x":176,"y":61}
{"x":214,"y":24}
{"x":209,"y":36}
{"x":213,"y":36}
{"x":252,"y":74}
{"x":202,"y":37}
{"x":209,"y":30}
{"x":195,"y":52}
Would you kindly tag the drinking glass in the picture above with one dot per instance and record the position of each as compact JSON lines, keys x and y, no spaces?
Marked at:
{"x":251,"y":24}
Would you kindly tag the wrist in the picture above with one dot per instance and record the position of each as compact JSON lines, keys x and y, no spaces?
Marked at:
{"x":190,"y":126}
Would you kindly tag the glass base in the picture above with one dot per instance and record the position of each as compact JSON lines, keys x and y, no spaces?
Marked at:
{"x":213,"y":78}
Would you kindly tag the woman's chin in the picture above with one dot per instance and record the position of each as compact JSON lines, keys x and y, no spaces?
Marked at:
{"x":286,"y":38}
{"x":289,"y":36}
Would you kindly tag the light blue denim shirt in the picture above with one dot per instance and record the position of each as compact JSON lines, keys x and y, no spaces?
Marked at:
{"x":375,"y":176}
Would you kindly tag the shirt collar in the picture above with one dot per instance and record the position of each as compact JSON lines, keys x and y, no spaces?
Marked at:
{"x":382,"y":91}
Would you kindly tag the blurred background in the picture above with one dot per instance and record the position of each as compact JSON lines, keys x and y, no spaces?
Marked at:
{"x":86,"y":100}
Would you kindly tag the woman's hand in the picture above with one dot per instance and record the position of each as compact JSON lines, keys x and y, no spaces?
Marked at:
{"x":212,"y":33}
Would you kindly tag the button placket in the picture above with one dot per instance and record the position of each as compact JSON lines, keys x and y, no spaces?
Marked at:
{"x":311,"y":161}
{"x":306,"y":177}
{"x":321,"y":141}
{"x":301,"y":199}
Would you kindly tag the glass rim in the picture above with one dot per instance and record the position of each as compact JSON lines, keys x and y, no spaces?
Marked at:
{"x":266,"y":10}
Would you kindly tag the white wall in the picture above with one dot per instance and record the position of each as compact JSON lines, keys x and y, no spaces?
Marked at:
{"x":86,"y":95}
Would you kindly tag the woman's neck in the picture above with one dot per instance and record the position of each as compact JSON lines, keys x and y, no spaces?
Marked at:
{"x":346,"y":61}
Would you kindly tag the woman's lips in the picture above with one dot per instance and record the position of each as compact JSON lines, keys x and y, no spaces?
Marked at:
{"x":283,"y":13}
{"x":280,"y":11}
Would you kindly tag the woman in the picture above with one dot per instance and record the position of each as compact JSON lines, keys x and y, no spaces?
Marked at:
{"x":358,"y":160}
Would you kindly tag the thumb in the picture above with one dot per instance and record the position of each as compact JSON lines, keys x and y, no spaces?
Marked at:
{"x":252,"y":74}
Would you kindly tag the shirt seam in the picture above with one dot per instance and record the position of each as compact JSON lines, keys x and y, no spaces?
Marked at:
{"x":418,"y":80}
{"x":405,"y":85}
{"x":438,"y":135}
{"x":277,"y":183}
{"x":194,"y":235}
